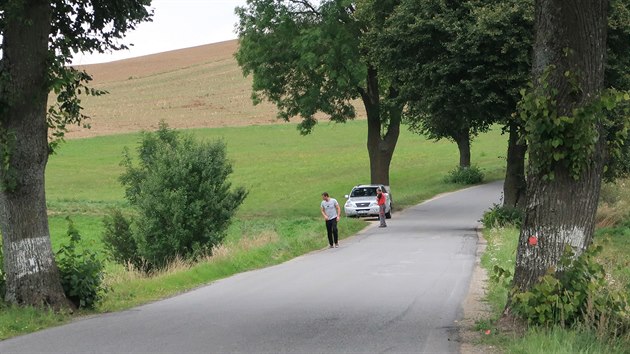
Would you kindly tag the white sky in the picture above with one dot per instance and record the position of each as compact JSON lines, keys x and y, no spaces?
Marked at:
{"x":176,"y":24}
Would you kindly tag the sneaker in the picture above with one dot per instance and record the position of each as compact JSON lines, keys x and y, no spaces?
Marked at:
{"x":331,"y":246}
{"x":336,"y":245}
{"x":382,"y":226}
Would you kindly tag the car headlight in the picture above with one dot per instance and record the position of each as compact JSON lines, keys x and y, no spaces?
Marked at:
{"x":348,"y":205}
{"x":373,"y":204}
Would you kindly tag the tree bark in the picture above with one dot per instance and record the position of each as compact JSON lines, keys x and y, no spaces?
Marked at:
{"x":462,"y":139}
{"x":570,"y":34}
{"x":32,"y":277}
{"x":514,"y":186}
{"x":380,"y":147}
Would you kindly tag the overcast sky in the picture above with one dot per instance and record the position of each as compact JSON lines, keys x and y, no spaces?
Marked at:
{"x":176,"y":24}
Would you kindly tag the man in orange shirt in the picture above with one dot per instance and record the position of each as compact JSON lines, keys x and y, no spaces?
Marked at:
{"x":381,"y":198}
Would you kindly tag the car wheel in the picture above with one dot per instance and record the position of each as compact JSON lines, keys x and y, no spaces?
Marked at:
{"x":388,"y":215}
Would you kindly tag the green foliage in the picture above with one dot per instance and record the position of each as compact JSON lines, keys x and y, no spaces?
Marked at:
{"x":308,"y":58}
{"x":81,"y":272}
{"x":502,"y":216}
{"x":569,"y":140}
{"x":464,"y":175}
{"x":119,"y":241}
{"x":68,"y":83}
{"x":75,"y":27}
{"x":578,"y":294}
{"x":460,"y":65}
{"x":303,"y":57}
{"x":181,"y":195}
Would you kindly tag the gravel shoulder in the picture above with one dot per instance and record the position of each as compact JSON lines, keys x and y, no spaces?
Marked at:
{"x":475,"y":308}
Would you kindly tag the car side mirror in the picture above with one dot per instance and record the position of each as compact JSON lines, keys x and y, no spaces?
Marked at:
{"x":347,"y":196}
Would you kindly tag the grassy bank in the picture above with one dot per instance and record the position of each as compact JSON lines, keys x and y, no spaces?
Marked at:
{"x":615,"y":239}
{"x":285,"y":174}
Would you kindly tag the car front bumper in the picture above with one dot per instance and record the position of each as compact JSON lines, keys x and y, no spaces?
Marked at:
{"x":358,"y":212}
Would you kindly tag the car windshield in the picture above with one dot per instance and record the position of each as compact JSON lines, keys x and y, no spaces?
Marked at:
{"x":363,"y":192}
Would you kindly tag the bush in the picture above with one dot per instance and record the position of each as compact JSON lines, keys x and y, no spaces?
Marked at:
{"x":181,"y":197}
{"x":578,"y":296}
{"x":464,"y":175}
{"x":81,"y":272}
{"x":502,"y":216}
{"x":119,"y":241}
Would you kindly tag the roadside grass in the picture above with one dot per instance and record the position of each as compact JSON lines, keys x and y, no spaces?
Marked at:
{"x":20,"y":320}
{"x":285,"y":174}
{"x":562,"y":341}
{"x":289,"y":239}
{"x":501,"y":252}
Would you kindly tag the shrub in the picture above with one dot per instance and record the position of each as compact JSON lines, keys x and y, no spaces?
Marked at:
{"x":81,"y":272}
{"x":464,"y":175}
{"x":181,"y":197}
{"x":119,"y":241}
{"x":502,"y":216}
{"x":579,"y":295}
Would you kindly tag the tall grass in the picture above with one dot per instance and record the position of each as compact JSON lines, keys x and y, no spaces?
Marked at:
{"x":558,"y":340}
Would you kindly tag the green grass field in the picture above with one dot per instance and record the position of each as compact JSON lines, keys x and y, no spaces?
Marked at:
{"x":285,"y":174}
{"x":283,"y":181}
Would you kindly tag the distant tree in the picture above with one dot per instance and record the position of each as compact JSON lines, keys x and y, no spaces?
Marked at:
{"x":308,"y":58}
{"x":460,"y":65}
{"x":38,"y":38}
{"x":617,"y":76}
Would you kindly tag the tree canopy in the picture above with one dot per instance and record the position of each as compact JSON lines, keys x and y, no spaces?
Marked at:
{"x":308,"y":58}
{"x":460,"y":64}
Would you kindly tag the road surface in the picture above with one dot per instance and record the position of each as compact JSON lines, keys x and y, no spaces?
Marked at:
{"x":387,"y":290}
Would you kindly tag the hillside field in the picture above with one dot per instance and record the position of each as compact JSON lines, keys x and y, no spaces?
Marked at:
{"x":199,"y":87}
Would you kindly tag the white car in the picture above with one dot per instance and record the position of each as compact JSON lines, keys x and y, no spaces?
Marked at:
{"x":362,"y":201}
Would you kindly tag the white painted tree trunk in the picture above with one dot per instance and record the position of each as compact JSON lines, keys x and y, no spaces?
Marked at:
{"x":32,"y":276}
{"x":570,"y":34}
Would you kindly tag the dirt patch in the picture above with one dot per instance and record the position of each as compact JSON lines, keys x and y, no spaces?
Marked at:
{"x":475,"y":308}
{"x":199,"y":87}
{"x":147,"y":65}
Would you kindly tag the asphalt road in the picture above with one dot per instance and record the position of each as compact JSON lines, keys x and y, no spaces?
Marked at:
{"x":387,"y":290}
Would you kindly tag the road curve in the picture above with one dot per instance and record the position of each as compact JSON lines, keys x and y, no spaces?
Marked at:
{"x":387,"y":290}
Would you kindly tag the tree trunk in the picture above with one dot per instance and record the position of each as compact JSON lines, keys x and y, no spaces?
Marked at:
{"x":463,"y":144}
{"x":462,"y":138}
{"x":570,"y":34}
{"x":32,"y":277}
{"x":514,"y":186}
{"x":380,"y":147}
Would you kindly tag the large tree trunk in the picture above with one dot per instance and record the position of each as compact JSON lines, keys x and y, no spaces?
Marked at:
{"x":32,"y":276}
{"x":463,"y":145}
{"x":514,"y":186}
{"x":380,"y":147}
{"x":570,"y":34}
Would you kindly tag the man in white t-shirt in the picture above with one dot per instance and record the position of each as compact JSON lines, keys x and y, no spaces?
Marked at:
{"x":330,"y":212}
